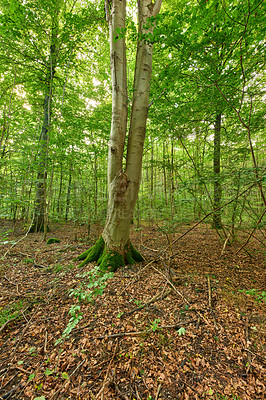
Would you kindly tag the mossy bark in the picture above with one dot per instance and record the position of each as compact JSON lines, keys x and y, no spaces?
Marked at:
{"x":110,"y":259}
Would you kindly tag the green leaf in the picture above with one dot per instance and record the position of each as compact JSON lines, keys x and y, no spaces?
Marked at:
{"x":181,"y":331}
{"x":32,"y":376}
{"x":48,"y":372}
{"x":65,"y":375}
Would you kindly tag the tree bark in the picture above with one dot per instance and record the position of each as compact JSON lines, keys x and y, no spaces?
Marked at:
{"x":217,"y":187}
{"x":40,"y":199}
{"x":123,"y":183}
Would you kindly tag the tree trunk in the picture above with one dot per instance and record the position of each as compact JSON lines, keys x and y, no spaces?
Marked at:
{"x":68,"y":193}
{"x":39,"y":211}
{"x":114,"y":247}
{"x":217,"y":189}
{"x":40,"y":201}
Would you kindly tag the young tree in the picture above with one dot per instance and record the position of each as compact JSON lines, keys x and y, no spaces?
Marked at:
{"x":114,"y":248}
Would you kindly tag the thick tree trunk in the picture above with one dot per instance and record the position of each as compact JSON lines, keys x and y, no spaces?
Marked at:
{"x":123,"y":184}
{"x":217,"y":187}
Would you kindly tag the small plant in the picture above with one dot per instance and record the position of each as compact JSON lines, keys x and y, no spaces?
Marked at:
{"x":181,"y":331}
{"x":97,"y":282}
{"x":86,"y":291}
{"x":119,"y":315}
{"x":4,"y":237}
{"x":10,"y":312}
{"x":76,"y":316}
{"x":184,"y":310}
{"x":28,"y":261}
{"x":155,"y":324}
{"x":48,"y":372}
{"x":259,"y":297}
{"x":137,"y":302}
{"x":53,"y":240}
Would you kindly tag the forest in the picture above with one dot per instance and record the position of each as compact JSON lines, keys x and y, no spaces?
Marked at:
{"x":132,"y":199}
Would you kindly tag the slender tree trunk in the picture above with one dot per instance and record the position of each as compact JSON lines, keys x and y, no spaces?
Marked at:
{"x":217,"y":187}
{"x":40,"y":200}
{"x":39,"y":211}
{"x":114,"y":247}
{"x":68,"y":193}
{"x":164,"y":176}
{"x":58,"y":208}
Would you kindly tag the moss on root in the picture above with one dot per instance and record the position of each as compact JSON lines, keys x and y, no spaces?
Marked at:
{"x":93,"y":254}
{"x":107,"y":259}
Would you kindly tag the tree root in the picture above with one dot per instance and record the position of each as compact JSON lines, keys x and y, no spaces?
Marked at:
{"x":109,"y":259}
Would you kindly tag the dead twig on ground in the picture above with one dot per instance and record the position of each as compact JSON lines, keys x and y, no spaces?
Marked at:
{"x":225,"y":243}
{"x":8,"y":394}
{"x":180,"y":294}
{"x":45,"y":344}
{"x":159,"y":296}
{"x":22,"y":334}
{"x":6,"y":323}
{"x":137,"y":333}
{"x":158,"y":391}
{"x":101,"y":392}
{"x":14,"y":244}
{"x":70,"y":376}
{"x":210,"y":302}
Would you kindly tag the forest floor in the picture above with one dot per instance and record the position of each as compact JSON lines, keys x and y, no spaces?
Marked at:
{"x":189,"y":323}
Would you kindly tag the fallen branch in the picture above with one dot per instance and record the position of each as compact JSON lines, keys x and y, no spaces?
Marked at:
{"x":6,"y":323}
{"x":180,"y":294}
{"x":137,"y":333}
{"x":8,"y":394}
{"x":225,"y":243}
{"x":184,"y":234}
{"x":155,"y":298}
{"x":14,"y":244}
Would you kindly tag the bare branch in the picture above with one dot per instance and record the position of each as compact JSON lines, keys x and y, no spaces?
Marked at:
{"x":157,"y":7}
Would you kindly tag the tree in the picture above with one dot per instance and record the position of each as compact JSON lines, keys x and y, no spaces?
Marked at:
{"x":114,"y":248}
{"x":38,"y":223}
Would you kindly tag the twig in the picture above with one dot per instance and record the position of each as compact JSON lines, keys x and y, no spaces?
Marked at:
{"x":124,"y":396}
{"x":8,"y":394}
{"x":250,"y":235}
{"x":247,"y":344}
{"x":210,"y":301}
{"x":209,"y":291}
{"x":6,"y":323}
{"x":101,"y":392}
{"x":45,"y":344}
{"x":14,"y":244}
{"x":13,"y":319}
{"x":22,"y":334}
{"x":225,"y":243}
{"x":70,"y":376}
{"x":158,"y":391}
{"x":179,"y":293}
{"x":137,"y":333}
{"x":155,"y":298}
{"x":10,"y":380}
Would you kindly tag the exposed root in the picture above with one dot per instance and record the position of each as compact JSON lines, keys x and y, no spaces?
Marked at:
{"x":109,"y":259}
